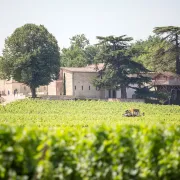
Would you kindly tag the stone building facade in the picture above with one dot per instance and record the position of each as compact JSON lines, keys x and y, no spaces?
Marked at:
{"x":73,"y":81}
{"x":168,"y":83}
{"x":78,"y":82}
{"x":9,"y":87}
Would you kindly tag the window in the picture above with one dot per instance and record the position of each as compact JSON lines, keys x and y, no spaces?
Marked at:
{"x":89,"y":87}
{"x":82,"y":87}
{"x":44,"y":88}
{"x":25,"y":88}
{"x":75,"y":87}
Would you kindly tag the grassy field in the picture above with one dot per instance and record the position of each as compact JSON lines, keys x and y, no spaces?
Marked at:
{"x":79,"y":114}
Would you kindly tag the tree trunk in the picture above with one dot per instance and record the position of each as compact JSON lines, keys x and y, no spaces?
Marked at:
{"x":177,"y":56}
{"x":33,"y":92}
{"x":123,"y":92}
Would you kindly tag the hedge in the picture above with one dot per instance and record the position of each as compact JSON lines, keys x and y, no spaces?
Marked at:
{"x":102,"y":153}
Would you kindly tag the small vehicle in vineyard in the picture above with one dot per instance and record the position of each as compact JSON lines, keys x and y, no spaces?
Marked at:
{"x":133,"y":113}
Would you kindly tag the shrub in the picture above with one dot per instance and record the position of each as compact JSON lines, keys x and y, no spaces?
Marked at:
{"x":123,"y":152}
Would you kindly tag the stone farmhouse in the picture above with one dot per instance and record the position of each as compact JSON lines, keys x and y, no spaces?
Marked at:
{"x":73,"y":81}
{"x":77,"y":82}
{"x":8,"y":88}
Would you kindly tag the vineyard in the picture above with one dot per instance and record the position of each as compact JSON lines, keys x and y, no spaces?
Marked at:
{"x":88,"y":140}
{"x":43,"y":113}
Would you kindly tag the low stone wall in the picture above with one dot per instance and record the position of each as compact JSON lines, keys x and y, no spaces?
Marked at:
{"x":54,"y":97}
{"x":127,"y":100}
{"x":61,"y":97}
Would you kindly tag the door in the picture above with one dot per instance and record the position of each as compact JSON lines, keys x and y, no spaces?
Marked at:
{"x":109,"y":93}
{"x":114,"y":93}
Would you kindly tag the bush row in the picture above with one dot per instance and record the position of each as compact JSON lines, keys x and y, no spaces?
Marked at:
{"x":123,"y":152}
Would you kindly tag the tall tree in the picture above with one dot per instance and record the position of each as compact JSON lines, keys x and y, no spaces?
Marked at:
{"x":91,"y":52}
{"x":171,"y":34}
{"x":31,"y":56}
{"x":120,"y":71}
{"x":79,"y":40}
{"x":1,"y":68}
{"x":147,"y":53}
{"x":75,"y":55}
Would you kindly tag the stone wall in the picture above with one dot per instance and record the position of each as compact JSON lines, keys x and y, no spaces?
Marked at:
{"x":51,"y":89}
{"x":57,"y":97}
{"x":2,"y":87}
{"x":83,"y":86}
{"x":68,"y":82}
{"x":126,"y":100}
{"x":11,"y":85}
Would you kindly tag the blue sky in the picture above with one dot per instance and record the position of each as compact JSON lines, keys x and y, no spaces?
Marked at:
{"x":65,"y":18}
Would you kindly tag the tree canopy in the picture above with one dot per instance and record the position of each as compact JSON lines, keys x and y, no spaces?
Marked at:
{"x":172,"y":35}
{"x":80,"y":53}
{"x":75,"y":56}
{"x":79,"y":40}
{"x":31,"y":56}
{"x":1,"y":68}
{"x":91,"y":52}
{"x":120,"y":71}
{"x":148,"y":53}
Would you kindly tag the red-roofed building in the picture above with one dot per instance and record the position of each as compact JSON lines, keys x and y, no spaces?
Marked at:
{"x":169,"y":83}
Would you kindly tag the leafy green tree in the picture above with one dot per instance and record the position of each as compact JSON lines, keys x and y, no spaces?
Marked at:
{"x":79,"y":40}
{"x":91,"y":53}
{"x":80,"y":53}
{"x":31,"y":56}
{"x":75,"y":55}
{"x":1,"y":67}
{"x":120,"y":71}
{"x":147,"y":53}
{"x":172,"y":35}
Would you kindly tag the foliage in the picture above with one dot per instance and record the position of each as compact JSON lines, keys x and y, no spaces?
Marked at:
{"x":42,"y":139}
{"x":172,"y":35}
{"x":147,"y":54}
{"x":31,"y":56}
{"x":79,"y":40}
{"x":119,"y":68}
{"x":91,"y":52}
{"x":80,"y":53}
{"x":123,"y":152}
{"x":1,"y":68}
{"x":150,"y":95}
{"x":75,"y":56}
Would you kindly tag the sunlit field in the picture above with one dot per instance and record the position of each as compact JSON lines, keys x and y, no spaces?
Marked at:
{"x":81,"y":114}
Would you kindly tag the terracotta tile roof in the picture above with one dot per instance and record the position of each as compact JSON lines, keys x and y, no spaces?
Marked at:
{"x":173,"y":79}
{"x":99,"y":66}
{"x":79,"y":69}
{"x":89,"y":68}
{"x":169,"y":74}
